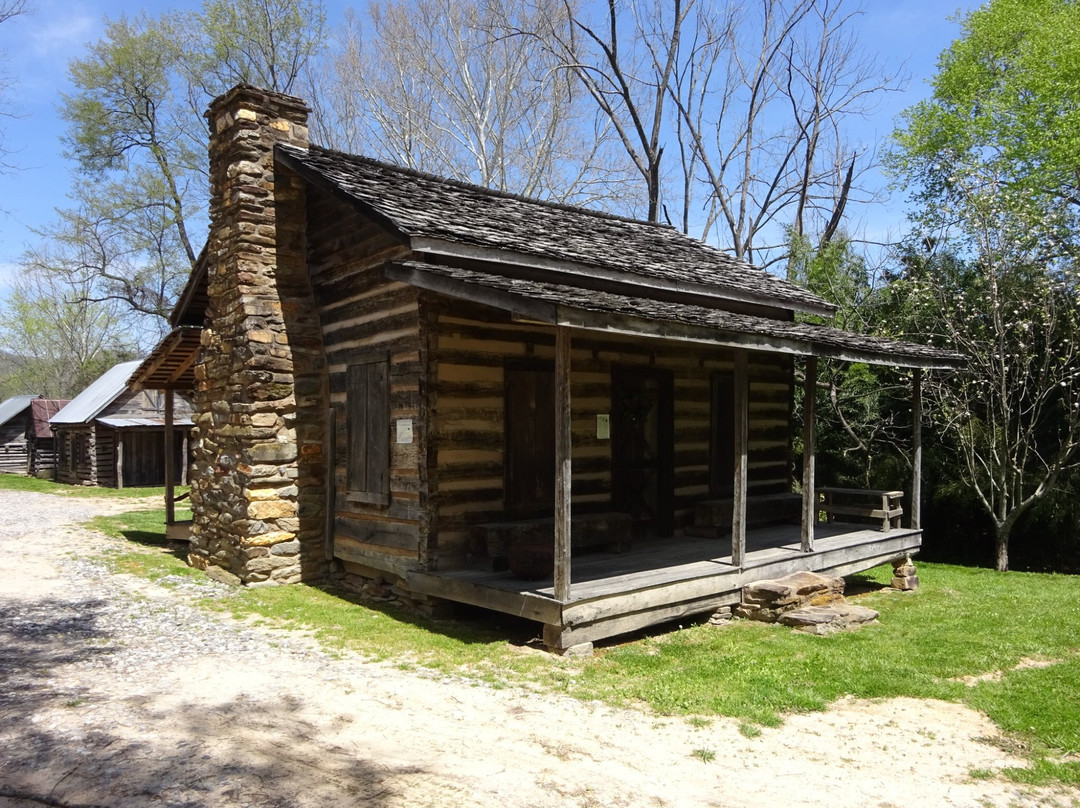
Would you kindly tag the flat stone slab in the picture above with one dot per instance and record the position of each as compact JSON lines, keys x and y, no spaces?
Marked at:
{"x":828,"y":619}
{"x":797,"y":589}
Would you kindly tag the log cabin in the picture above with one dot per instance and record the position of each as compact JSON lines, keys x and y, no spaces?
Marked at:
{"x":474,"y":397}
{"x":14,"y":424}
{"x":114,"y":437}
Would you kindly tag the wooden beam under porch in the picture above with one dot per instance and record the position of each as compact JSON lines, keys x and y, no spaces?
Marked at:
{"x":665,"y":580}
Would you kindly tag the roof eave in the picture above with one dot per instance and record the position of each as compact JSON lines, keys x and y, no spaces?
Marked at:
{"x":533,"y":310}
{"x":453,"y":249}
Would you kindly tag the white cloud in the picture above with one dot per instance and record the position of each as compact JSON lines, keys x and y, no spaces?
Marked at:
{"x":54,"y":30}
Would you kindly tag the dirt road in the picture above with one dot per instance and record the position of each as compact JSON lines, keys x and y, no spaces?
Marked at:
{"x":114,"y":692}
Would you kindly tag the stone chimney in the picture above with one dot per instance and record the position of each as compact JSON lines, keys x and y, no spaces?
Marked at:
{"x":257,"y":489}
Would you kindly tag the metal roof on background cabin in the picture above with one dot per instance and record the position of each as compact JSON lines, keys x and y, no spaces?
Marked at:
{"x":100,"y":394}
{"x":14,"y":406}
{"x":434,"y":212}
{"x":41,"y":410}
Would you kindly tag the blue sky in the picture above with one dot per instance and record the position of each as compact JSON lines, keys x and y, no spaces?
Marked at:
{"x":38,"y":47}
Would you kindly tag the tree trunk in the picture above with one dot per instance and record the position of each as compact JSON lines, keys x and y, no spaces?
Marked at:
{"x":1002,"y":535}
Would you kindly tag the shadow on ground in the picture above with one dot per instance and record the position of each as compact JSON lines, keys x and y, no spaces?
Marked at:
{"x":79,"y":728}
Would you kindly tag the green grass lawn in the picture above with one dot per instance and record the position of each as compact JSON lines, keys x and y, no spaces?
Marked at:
{"x":16,"y":482}
{"x":962,"y":622}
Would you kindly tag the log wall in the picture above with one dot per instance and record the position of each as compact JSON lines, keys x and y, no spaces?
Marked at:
{"x":472,"y":346}
{"x":14,"y":453}
{"x":75,"y":456}
{"x":366,"y":318}
{"x":42,"y":457}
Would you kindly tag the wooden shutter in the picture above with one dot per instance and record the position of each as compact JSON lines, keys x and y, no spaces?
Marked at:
{"x":368,"y":404}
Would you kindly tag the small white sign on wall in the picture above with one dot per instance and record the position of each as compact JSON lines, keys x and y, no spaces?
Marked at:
{"x":603,"y":426}
{"x":404,"y":430}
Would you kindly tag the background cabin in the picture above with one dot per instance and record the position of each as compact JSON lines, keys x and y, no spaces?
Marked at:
{"x":14,"y":423}
{"x":111,"y":436}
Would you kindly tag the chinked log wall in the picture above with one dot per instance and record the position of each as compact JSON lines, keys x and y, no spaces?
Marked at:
{"x":13,"y":446}
{"x":446,"y":362}
{"x":82,"y":445}
{"x":474,"y":344}
{"x":362,"y":316}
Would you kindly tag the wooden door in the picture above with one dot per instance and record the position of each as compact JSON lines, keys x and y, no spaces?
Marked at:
{"x":643,"y":448}
{"x":722,"y":435}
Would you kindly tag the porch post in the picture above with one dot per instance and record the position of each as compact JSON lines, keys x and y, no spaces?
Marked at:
{"x":809,"y":493}
{"x":119,"y":458}
{"x":738,"y":505}
{"x":170,"y":461}
{"x":562,"y":463}
{"x":916,"y":441}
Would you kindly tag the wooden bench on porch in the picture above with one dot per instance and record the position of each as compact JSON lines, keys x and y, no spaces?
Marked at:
{"x":884,"y":507}
{"x":712,"y":517}
{"x":609,"y":532}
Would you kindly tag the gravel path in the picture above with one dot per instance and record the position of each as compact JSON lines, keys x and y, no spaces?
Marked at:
{"x":115,"y":692}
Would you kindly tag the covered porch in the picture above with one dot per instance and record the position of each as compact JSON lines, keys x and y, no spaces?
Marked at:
{"x":592,"y":596}
{"x":666,"y":579}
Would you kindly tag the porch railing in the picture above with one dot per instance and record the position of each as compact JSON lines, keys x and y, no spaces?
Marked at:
{"x":885,"y":505}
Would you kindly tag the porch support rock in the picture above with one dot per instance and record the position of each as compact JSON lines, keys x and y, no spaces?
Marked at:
{"x":905,"y":577}
{"x":766,"y":600}
{"x":828,"y":619}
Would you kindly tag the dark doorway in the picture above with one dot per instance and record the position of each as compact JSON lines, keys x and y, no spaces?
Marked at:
{"x":144,"y":457}
{"x":643,"y":448}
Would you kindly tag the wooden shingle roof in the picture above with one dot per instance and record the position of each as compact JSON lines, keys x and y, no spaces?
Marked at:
{"x":449,"y":218}
{"x":593,"y":310}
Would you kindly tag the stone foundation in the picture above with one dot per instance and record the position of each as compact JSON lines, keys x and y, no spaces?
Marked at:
{"x":374,"y":588}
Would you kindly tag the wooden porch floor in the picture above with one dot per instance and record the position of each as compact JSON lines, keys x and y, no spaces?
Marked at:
{"x":665,"y":579}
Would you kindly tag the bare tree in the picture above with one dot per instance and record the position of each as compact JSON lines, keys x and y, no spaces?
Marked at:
{"x":268,"y":43}
{"x":430,"y":85}
{"x":765,"y":115}
{"x":754,"y":98}
{"x":625,"y":64}
{"x":8,"y":9}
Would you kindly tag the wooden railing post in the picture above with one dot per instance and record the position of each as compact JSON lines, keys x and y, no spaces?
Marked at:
{"x":738,"y":506}
{"x":170,"y":461}
{"x":916,"y":450}
{"x":809,"y":503}
{"x":562,"y":463}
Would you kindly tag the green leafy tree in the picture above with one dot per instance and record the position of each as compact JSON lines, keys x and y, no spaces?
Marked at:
{"x":137,"y":133}
{"x":992,"y":161}
{"x":864,"y":427}
{"x":57,"y":335}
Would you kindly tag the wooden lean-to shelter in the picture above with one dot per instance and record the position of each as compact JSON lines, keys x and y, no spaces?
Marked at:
{"x":170,"y":370}
{"x":111,"y":436}
{"x":447,"y":390}
{"x":40,"y":441}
